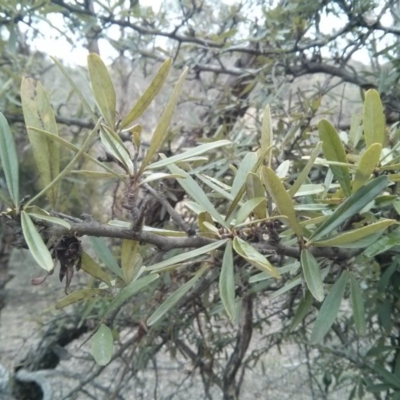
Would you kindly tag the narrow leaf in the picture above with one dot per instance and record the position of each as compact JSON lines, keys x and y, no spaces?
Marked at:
{"x":92,"y":268}
{"x":35,"y":243}
{"x":186,"y":256}
{"x":196,"y":151}
{"x":192,"y":188}
{"x":78,"y":296}
{"x":9,"y":160}
{"x":39,"y":114}
{"x":334,"y":151}
{"x":374,"y":119}
{"x":267,"y":134}
{"x":246,"y":166}
{"x":351,"y":206}
{"x":330,"y":307}
{"x":51,"y":219}
{"x":254,"y":188}
{"x":252,"y":256}
{"x":160,"y":134}
{"x":302,"y":310}
{"x":312,"y":274}
{"x":227,"y":282}
{"x":306,"y":170}
{"x":102,"y":345}
{"x":356,"y":234}
{"x":148,"y":96}
{"x":248,"y":208}
{"x":358,"y":306}
{"x":102,"y":251}
{"x":130,"y":259}
{"x":128,"y":291}
{"x":281,"y":199}
{"x":368,"y":162}
{"x":174,"y":298}
{"x":103,"y":89}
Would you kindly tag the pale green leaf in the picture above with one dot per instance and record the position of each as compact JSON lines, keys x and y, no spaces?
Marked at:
{"x":102,"y":345}
{"x":35,"y":243}
{"x":281,"y":199}
{"x":248,"y":208}
{"x":312,"y":274}
{"x":196,"y":151}
{"x":9,"y":160}
{"x":131,"y":260}
{"x":227,"y":282}
{"x":334,"y":151}
{"x":103,"y":89}
{"x":306,"y":170}
{"x":92,"y":268}
{"x":267,"y":135}
{"x":329,"y":309}
{"x":102,"y":251}
{"x":368,"y":162}
{"x":302,"y":310}
{"x":38,"y":113}
{"x":254,"y":188}
{"x":184,"y":256}
{"x":351,"y":206}
{"x":161,"y":132}
{"x":148,"y":96}
{"x":252,"y":256}
{"x":128,"y":291}
{"x":78,"y":296}
{"x":358,"y":306}
{"x":174,"y":298}
{"x":53,"y":220}
{"x":356,"y":234}
{"x":374,"y":119}
{"x":246,"y":166}
{"x":193,"y":189}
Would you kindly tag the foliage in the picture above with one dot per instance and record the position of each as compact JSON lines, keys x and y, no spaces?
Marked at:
{"x":251,"y":217}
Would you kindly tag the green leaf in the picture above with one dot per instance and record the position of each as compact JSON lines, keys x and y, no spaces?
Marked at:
{"x":356,"y":234}
{"x":192,"y":188}
{"x":128,"y":291}
{"x":190,"y":153}
{"x":131,"y":260}
{"x":334,"y":151}
{"x":51,"y":219}
{"x":67,"y":145}
{"x":358,"y":306}
{"x":374,"y":119}
{"x":114,"y":145}
{"x":267,"y":135}
{"x":368,"y":162}
{"x":306,"y":170}
{"x":281,"y":199}
{"x":330,"y":308}
{"x":161,"y":133}
{"x":102,"y":251}
{"x":312,"y":274}
{"x":186,"y":256}
{"x":92,"y":268}
{"x":67,"y":169}
{"x":175,"y":297}
{"x":38,"y":113}
{"x":9,"y":160}
{"x":289,"y":286}
{"x":302,"y":310}
{"x":103,"y":89}
{"x":78,"y":296}
{"x":102,"y":345}
{"x":255,"y":188}
{"x":210,"y":182}
{"x":252,"y":256}
{"x":247,"y":208}
{"x":227,"y":282}
{"x":246,"y":166}
{"x":35,"y":243}
{"x":387,"y":376}
{"x":148,"y":96}
{"x":159,"y":175}
{"x":351,"y":206}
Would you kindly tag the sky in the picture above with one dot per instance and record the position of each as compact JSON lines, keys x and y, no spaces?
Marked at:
{"x":73,"y":54}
